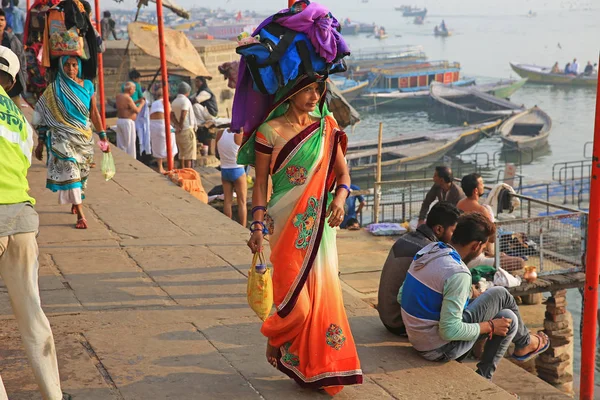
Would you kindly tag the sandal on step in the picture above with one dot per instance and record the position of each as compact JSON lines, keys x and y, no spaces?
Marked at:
{"x":81,"y":224}
{"x":539,"y":350}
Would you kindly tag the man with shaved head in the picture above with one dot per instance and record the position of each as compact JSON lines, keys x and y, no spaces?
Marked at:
{"x":127,"y":112}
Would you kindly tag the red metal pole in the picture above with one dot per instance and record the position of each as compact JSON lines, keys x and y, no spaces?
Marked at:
{"x":165,"y":82}
{"x":291,"y":2}
{"x":592,"y":269}
{"x":28,"y":5}
{"x":100,"y":69}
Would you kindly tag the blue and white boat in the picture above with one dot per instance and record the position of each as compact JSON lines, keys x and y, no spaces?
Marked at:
{"x":350,"y":89}
{"x":409,"y":83}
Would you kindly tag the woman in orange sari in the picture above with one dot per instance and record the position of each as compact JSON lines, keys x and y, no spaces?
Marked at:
{"x":302,"y":148}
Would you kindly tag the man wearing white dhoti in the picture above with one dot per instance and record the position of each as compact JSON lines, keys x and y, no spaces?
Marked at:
{"x":127,"y":112}
{"x":158,"y":139}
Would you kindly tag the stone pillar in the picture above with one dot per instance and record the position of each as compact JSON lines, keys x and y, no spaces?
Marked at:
{"x":555,"y":366}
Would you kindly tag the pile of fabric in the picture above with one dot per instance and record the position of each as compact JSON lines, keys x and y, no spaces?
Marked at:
{"x":314,"y":22}
{"x":53,"y":29}
{"x":189,"y":180}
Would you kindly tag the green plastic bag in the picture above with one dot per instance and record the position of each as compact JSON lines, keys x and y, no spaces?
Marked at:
{"x":108,"y":166}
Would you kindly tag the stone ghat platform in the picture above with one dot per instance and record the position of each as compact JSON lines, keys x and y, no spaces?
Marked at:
{"x":150,"y":303}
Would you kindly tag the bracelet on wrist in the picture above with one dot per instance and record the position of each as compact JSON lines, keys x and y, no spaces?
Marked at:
{"x":262,"y":228}
{"x":102,"y":135}
{"x":258,"y":208}
{"x":491,"y":329}
{"x":345,"y":187}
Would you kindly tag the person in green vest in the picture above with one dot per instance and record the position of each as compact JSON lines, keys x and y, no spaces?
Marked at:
{"x":19,"y":224}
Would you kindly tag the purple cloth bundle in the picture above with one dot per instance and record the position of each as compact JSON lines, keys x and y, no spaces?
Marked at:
{"x":250,"y":106}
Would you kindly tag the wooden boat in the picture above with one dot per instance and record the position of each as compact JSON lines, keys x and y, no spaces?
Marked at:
{"x":350,"y":29}
{"x":503,"y":89}
{"x":344,"y":113}
{"x":349,"y":88}
{"x":412,"y":77}
{"x":366,"y":28}
{"x":415,"y":13}
{"x":413,"y":152}
{"x":441,"y":33}
{"x":420,"y":99}
{"x":469,"y":105}
{"x":528,"y":130}
{"x":537,"y":74}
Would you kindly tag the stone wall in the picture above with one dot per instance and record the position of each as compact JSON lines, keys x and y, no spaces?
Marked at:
{"x":213,"y":53}
{"x":555,"y":366}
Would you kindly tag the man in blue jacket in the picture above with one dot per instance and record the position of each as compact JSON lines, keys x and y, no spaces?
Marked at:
{"x":440,"y":321}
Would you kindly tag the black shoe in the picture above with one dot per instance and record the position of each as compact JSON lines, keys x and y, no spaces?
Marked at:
{"x":67,"y":396}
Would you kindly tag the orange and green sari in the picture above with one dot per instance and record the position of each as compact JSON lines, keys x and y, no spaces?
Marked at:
{"x":310,"y":326}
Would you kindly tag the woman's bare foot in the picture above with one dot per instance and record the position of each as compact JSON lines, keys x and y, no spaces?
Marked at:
{"x":81,"y":221}
{"x":81,"y":224}
{"x":272,"y":353}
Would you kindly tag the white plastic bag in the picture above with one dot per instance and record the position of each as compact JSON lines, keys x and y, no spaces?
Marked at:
{"x":503,"y":278}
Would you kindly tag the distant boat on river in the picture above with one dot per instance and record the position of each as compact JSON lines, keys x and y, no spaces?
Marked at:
{"x":469,"y":105}
{"x":537,"y":74}
{"x":528,"y":130}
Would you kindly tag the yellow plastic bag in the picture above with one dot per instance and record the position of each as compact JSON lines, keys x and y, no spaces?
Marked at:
{"x":260,"y":287}
{"x":108,"y":166}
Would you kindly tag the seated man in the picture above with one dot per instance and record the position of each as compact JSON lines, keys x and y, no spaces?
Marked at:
{"x":440,"y":322}
{"x":352,"y":210}
{"x":353,"y":224}
{"x":473,"y":187}
{"x":441,"y":222}
{"x":443,"y":189}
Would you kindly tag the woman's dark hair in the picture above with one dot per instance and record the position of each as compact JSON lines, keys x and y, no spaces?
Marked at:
{"x":106,"y":14}
{"x":86,"y":6}
{"x":444,"y":214}
{"x":134,"y":74}
{"x":2,"y":13}
{"x":473,"y":227}
{"x":445,"y":173}
{"x":470,"y":183}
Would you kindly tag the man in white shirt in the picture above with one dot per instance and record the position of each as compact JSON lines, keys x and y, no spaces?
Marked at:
{"x":574,"y":67}
{"x":201,"y":114}
{"x":184,"y":122}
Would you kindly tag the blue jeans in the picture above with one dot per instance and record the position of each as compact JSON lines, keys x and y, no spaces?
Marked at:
{"x":494,"y":303}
